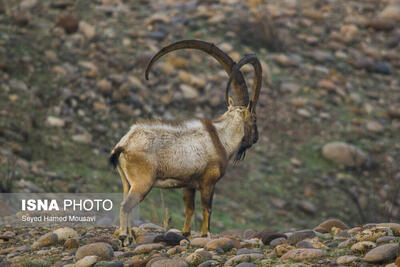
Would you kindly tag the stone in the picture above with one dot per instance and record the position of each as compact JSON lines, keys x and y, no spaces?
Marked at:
{"x":28,"y":4}
{"x":147,"y":248}
{"x":385,"y":239}
{"x":71,"y":243}
{"x":391,"y":12}
{"x":199,"y":241}
{"x":55,"y":122}
{"x":382,"y":253}
{"x":170,"y":238}
{"x":278,"y":241}
{"x":395,"y":227}
{"x":103,"y":250}
{"x":305,"y":205}
{"x":220,"y":243}
{"x":88,"y":30}
{"x":210,"y":263}
{"x":326,"y":226}
{"x":300,"y":235}
{"x":267,"y":236}
{"x":382,"y":68}
{"x":151,"y":227}
{"x":243,"y":258}
{"x":347,"y":259}
{"x":362,"y":246}
{"x":198,"y":257}
{"x":373,"y":233}
{"x":169,"y":263}
{"x":303,"y":254}
{"x":82,"y":138}
{"x":189,"y":92}
{"x":86,"y":261}
{"x":46,"y":240}
{"x":282,"y":249}
{"x":69,"y":23}
{"x":344,"y":154}
{"x":246,"y":264}
{"x":66,"y":233}
{"x":290,"y":87}
{"x":374,"y":126}
{"x":304,"y":244}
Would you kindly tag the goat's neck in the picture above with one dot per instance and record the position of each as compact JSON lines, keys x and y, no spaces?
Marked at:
{"x":230,"y":133}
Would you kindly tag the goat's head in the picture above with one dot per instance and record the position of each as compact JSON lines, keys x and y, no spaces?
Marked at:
{"x":250,"y":122}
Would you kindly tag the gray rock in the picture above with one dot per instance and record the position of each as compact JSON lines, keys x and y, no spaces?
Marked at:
{"x":66,"y":233}
{"x":210,"y":263}
{"x":103,"y":250}
{"x":344,"y":154}
{"x":169,"y":263}
{"x":278,"y":241}
{"x":382,"y":253}
{"x":147,"y":248}
{"x":243,"y":258}
{"x":346,"y":259}
{"x":303,"y":254}
{"x":46,"y":240}
{"x":86,"y":261}
{"x":382,"y":68}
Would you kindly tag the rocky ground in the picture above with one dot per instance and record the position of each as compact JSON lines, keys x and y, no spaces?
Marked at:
{"x":71,"y":83}
{"x":332,"y":243}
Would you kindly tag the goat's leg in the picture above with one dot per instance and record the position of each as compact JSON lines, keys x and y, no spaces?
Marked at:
{"x":188,"y":200}
{"x":123,"y":218}
{"x":140,"y":175}
{"x":208,"y":182}
{"x":206,"y":202}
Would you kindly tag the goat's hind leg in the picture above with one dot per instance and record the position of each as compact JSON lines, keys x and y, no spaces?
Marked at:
{"x":124,"y":218}
{"x":140,"y":176}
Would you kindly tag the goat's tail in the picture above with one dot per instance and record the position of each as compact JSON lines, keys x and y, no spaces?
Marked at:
{"x":115,"y":156}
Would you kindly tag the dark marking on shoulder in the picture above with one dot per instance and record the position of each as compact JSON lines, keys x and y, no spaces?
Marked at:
{"x":114,"y":157}
{"x":222,"y":155}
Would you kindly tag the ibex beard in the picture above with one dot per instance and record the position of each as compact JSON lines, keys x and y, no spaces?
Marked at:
{"x":192,"y":155}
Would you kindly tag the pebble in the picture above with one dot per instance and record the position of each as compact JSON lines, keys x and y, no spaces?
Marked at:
{"x":169,"y":263}
{"x":362,"y":246}
{"x":88,"y":30}
{"x":69,"y":23}
{"x":382,"y":253}
{"x":327,"y":225}
{"x":66,"y":233}
{"x":346,"y":259}
{"x":103,"y":250}
{"x":46,"y":240}
{"x":147,"y":248}
{"x":382,"y":68}
{"x":198,"y":257}
{"x":243,"y":258}
{"x":344,"y":154}
{"x":220,"y":243}
{"x":86,"y":261}
{"x":303,"y":254}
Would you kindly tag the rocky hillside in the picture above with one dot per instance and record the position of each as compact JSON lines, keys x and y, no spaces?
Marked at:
{"x":332,"y":243}
{"x":71,"y":79}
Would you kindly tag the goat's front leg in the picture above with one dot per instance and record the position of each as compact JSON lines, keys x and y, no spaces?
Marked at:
{"x":188,"y":200}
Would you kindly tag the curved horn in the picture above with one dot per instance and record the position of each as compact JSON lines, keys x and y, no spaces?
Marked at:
{"x":239,"y":84}
{"x":253,"y":60}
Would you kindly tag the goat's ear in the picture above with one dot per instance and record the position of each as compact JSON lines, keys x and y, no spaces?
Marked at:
{"x":230,"y":102}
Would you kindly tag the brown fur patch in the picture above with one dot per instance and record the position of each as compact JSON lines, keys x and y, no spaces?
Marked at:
{"x":157,"y":121}
{"x":222,"y":155}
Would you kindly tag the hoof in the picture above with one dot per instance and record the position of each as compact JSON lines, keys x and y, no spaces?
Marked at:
{"x":186,"y":234}
{"x":126,"y":240}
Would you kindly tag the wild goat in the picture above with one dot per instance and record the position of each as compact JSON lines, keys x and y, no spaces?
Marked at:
{"x":192,"y":155}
